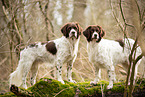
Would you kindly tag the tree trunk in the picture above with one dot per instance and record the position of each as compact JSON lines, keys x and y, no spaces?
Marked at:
{"x":78,"y":13}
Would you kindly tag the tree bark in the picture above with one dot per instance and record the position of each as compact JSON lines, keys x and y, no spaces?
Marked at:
{"x":78,"y":13}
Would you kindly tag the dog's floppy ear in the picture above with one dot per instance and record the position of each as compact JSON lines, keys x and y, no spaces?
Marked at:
{"x":87,"y":33}
{"x":79,"y":28}
{"x":102,"y":32}
{"x":64,"y":30}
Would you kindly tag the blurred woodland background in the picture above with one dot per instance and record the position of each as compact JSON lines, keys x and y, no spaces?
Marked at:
{"x":26,"y":21}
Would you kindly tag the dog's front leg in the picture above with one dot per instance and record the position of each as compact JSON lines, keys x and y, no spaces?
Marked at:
{"x":69,"y":71}
{"x":111,"y":75}
{"x":59,"y":71}
{"x":97,"y":76}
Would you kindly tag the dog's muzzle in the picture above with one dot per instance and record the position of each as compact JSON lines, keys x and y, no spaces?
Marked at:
{"x":95,"y":35}
{"x":73,"y":33}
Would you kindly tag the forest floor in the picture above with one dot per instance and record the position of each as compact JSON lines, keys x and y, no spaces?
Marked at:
{"x":52,"y":88}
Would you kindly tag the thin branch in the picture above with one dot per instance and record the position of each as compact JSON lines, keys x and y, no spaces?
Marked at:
{"x":17,"y":30}
{"x":4,"y":60}
{"x":102,"y":89}
{"x":122,"y":14}
{"x":143,"y":14}
{"x":132,"y":75}
{"x":46,"y":18}
{"x":115,"y":16}
{"x":138,"y":58}
{"x":138,"y":11}
{"x":133,"y":48}
{"x":62,"y":91}
{"x":120,"y":5}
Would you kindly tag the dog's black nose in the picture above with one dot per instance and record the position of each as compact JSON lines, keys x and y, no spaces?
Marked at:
{"x":95,"y":35}
{"x":73,"y":32}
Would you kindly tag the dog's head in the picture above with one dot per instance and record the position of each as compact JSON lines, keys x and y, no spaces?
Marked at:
{"x":71,"y":30}
{"x":94,"y":33}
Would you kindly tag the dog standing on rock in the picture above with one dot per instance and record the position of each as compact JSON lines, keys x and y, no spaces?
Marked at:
{"x":56,"y":52}
{"x":104,"y":53}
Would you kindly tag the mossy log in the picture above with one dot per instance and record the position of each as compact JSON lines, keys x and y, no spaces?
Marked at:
{"x":52,"y":88}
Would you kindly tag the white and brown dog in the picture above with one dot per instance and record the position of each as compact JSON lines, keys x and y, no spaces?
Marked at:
{"x":56,"y":52}
{"x":104,"y":53}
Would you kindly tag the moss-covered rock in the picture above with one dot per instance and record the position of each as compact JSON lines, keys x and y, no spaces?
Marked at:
{"x":48,"y":87}
{"x":52,"y":88}
{"x":8,"y":94}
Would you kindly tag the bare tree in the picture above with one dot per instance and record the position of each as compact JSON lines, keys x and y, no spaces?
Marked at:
{"x":132,"y":23}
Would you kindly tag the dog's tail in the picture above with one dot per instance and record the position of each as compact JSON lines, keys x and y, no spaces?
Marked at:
{"x":16,"y":76}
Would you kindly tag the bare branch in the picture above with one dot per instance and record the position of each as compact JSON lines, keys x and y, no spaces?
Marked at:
{"x":17,"y":30}
{"x":46,"y":18}
{"x":62,"y":91}
{"x":139,"y":12}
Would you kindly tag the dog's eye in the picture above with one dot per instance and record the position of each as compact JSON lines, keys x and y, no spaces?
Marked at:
{"x":74,"y":28}
{"x":92,"y":31}
{"x":69,"y":28}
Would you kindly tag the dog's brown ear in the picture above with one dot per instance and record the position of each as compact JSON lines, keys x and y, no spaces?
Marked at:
{"x":87,"y":33}
{"x":102,"y":32}
{"x":79,"y":28}
{"x":64,"y":30}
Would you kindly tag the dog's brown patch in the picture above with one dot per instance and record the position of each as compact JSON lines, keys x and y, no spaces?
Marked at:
{"x":121,"y":42}
{"x":50,"y":46}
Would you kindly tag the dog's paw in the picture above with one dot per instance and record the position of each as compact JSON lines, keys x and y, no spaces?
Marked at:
{"x":109,"y":86}
{"x":62,"y":81}
{"x":93,"y":83}
{"x":114,"y":80}
{"x":24,"y":86}
{"x":73,"y":81}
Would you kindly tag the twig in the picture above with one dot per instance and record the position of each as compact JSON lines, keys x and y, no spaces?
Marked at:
{"x":138,"y":11}
{"x":3,"y":60}
{"x":132,"y":75}
{"x":102,"y":90}
{"x":138,"y":58}
{"x":46,"y":18}
{"x":129,"y":68}
{"x":17,"y":30}
{"x":62,"y":91}
{"x":48,"y":72}
{"x":92,"y":66}
{"x":121,"y":27}
{"x":122,"y":14}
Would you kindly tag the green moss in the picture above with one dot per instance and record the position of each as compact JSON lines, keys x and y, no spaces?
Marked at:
{"x":71,"y":83}
{"x":83,"y":83}
{"x":141,"y":82}
{"x":103,"y":82}
{"x":118,"y":89}
{"x":89,"y":91}
{"x":8,"y":94}
{"x":49,"y":87}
